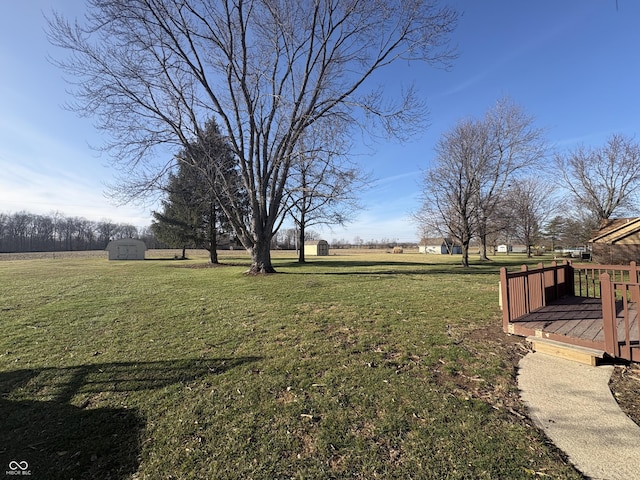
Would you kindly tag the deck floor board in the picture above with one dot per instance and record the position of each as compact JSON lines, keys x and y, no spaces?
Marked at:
{"x":575,"y":321}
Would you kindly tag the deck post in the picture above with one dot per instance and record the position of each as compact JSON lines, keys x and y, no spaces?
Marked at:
{"x":543,"y":280}
{"x":635,"y":293}
{"x":569,"y":278}
{"x":506,"y":304}
{"x":633,"y":278}
{"x":556,"y":285}
{"x":526,"y":291}
{"x":607,"y":295}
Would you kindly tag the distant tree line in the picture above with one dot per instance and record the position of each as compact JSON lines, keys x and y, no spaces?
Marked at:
{"x":29,"y":232}
{"x":55,"y":232}
{"x":289,"y":239}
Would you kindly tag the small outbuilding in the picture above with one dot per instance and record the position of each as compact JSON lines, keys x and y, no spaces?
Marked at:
{"x":519,"y":248}
{"x":617,"y":242}
{"x":316,"y":247}
{"x":439,"y":246}
{"x":126,"y":249}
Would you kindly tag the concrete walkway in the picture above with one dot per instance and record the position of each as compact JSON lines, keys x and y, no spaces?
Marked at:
{"x":572,"y":403}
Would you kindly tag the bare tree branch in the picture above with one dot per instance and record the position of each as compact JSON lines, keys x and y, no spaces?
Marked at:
{"x":475,"y":162}
{"x":603,"y":180}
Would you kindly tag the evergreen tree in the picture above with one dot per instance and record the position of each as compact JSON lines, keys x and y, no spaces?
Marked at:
{"x":194,"y":212}
{"x":177,"y":224}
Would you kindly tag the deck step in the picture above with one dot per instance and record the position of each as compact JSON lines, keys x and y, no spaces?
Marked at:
{"x":575,"y":353}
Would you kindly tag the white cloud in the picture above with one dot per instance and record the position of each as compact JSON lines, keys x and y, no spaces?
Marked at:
{"x":23,"y":187}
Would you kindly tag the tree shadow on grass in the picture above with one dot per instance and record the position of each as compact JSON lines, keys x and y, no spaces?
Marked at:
{"x":43,"y":435}
{"x":389,"y":267}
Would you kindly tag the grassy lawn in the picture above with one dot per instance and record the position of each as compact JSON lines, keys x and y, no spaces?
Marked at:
{"x":350,"y":366}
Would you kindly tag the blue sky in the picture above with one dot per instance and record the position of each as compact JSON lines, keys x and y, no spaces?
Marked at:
{"x":572,"y":64}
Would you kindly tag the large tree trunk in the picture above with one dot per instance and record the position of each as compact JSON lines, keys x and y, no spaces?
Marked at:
{"x":301,"y":258}
{"x":303,"y":214}
{"x":261,"y":258}
{"x":465,"y":253}
{"x":483,"y":248}
{"x":213,"y":235}
{"x":213,"y":253}
{"x":303,"y":220}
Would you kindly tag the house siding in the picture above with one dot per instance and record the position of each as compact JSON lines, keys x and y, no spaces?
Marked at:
{"x":617,"y":242}
{"x":615,"y":254}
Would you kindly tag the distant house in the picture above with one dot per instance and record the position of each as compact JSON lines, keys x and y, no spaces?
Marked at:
{"x":512,"y":248}
{"x":316,"y":247}
{"x":126,"y":249}
{"x":439,"y":246}
{"x":617,"y":242}
{"x":519,"y":248}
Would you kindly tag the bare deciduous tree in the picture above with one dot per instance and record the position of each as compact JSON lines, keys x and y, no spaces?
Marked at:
{"x":323,"y":187}
{"x":528,"y":204}
{"x":450,"y":188}
{"x":154,"y":71}
{"x":29,"y":232}
{"x":603,"y":180}
{"x":475,"y":162}
{"x":511,"y":146}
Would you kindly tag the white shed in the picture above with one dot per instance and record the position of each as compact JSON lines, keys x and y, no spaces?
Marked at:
{"x":512,"y":248}
{"x":316,"y":247}
{"x":439,"y":246}
{"x":126,"y":249}
{"x":519,"y":248}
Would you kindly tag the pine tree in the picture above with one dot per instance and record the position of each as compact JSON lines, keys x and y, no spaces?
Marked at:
{"x":194,"y":211}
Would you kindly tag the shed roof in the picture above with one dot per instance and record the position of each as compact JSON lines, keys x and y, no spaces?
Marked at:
{"x":438,"y":241}
{"x":126,"y":241}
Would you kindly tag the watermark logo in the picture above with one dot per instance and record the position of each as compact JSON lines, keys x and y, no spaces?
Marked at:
{"x":18,"y":468}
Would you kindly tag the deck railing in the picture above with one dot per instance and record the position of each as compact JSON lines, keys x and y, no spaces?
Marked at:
{"x":527,"y":290}
{"x":620,"y":301}
{"x":524,"y":291}
{"x":587,"y":277}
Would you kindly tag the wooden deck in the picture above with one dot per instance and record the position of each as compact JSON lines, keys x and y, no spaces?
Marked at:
{"x":591,"y":306}
{"x":574,"y":321}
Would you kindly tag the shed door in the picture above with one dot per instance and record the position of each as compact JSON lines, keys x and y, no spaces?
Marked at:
{"x":127,"y":252}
